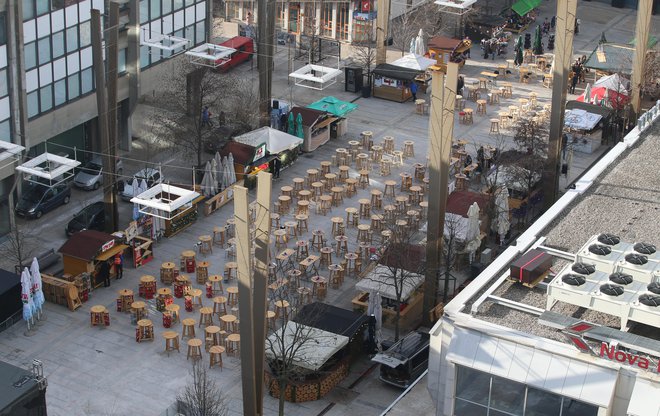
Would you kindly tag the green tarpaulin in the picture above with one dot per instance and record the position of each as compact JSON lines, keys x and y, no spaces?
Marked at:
{"x":522,"y":7}
{"x":333,"y":106}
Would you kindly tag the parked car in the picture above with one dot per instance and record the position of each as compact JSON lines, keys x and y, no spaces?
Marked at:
{"x":405,"y":360}
{"x":38,"y":199}
{"x":92,"y":217}
{"x":91,"y":175}
{"x":244,"y":51}
{"x":150,"y":175}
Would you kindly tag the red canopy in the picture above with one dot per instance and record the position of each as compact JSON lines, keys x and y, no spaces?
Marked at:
{"x":616,"y":99}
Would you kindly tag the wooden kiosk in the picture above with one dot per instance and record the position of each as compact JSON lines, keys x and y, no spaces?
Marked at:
{"x":445,"y":50}
{"x":392,"y":82}
{"x":87,"y":250}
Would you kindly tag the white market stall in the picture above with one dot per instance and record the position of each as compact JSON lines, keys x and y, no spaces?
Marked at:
{"x":52,"y":169}
{"x":315,"y":76}
{"x":10,"y":151}
{"x":176,"y":206}
{"x":276,"y":141}
{"x":318,"y":348}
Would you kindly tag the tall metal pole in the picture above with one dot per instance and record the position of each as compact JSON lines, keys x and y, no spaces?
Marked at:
{"x":441,"y":126}
{"x":642,"y":28}
{"x":566,"y":10}
{"x":265,"y":51}
{"x":102,"y":106}
{"x":382,"y":20}
{"x":112,"y":57}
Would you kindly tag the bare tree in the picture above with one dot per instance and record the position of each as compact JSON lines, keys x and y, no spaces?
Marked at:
{"x":17,"y":248}
{"x":202,"y":396}
{"x":404,"y":28}
{"x":364,"y":55}
{"x":451,"y":246}
{"x":651,"y":78}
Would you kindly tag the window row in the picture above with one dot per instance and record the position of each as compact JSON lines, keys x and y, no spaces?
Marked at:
{"x":52,"y":47}
{"x":34,"y":8}
{"x":196,"y":34}
{"x":4,"y":82}
{"x":154,"y":9}
{"x":5,"y":130}
{"x":483,"y":394}
{"x":58,"y":93}
{"x":3,"y":28}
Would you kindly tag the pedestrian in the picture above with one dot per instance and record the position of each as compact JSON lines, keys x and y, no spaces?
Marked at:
{"x":119,"y":265}
{"x":574,"y":82}
{"x":104,"y":273}
{"x":460,"y":84}
{"x":553,"y":22}
{"x":577,"y":26}
{"x":206,"y":117}
{"x":413,"y":90}
{"x":278,"y":167}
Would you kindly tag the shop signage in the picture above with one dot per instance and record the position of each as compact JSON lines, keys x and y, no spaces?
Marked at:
{"x":107,"y":246}
{"x":364,"y":16}
{"x":610,"y":350}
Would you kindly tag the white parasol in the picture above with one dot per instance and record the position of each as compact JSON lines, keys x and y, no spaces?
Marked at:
{"x":135,"y":185}
{"x":214,"y":174}
{"x":207,"y":179}
{"x":225,"y":172}
{"x":232,"y":171}
{"x":26,"y":297}
{"x":35,"y":276}
{"x":420,"y":48}
{"x":502,"y":207}
{"x":375,"y":308}
{"x":472,"y":233}
{"x":413,"y":42}
{"x":587,"y":93}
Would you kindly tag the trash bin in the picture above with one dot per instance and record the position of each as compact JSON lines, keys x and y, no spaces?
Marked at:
{"x":366,"y":91}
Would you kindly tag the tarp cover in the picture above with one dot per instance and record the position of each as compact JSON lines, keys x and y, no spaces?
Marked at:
{"x":380,"y":280}
{"x":276,"y":141}
{"x":522,"y":7}
{"x":395,"y":72}
{"x":580,"y":119}
{"x":317,"y":348}
{"x":331,"y":319}
{"x":333,"y":106}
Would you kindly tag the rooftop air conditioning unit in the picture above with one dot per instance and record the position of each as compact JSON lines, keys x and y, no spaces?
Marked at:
{"x":638,"y":266}
{"x":603,"y":251}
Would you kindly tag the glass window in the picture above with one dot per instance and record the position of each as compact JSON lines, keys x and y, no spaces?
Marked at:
{"x":542,"y":403}
{"x":121,"y":61}
{"x":507,"y":395}
{"x":86,"y":34}
{"x":190,"y":2}
{"x":46,"y":98}
{"x":144,"y":11}
{"x":472,"y":385}
{"x":342,"y":20}
{"x":30,"y":55}
{"x":87,"y":79}
{"x":72,"y":39}
{"x":178,"y":4}
{"x":28,"y":9}
{"x":144,"y":56}
{"x":463,"y":408}
{"x":60,"y":92}
{"x":58,"y":44}
{"x":200,"y":32}
{"x":74,"y":86}
{"x":572,"y":407}
{"x":44,"y":50}
{"x":57,"y":4}
{"x":167,"y":6}
{"x":3,"y":28}
{"x":326,"y":19}
{"x":5,"y":130}
{"x":154,"y":9}
{"x":4,"y":82}
{"x":33,"y":103}
{"x":190,"y":33}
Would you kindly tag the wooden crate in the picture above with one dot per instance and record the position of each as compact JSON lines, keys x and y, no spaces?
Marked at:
{"x":60,"y":291}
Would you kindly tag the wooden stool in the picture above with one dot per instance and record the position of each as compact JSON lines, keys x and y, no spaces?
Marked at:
{"x":212,"y":336}
{"x":367,"y":139}
{"x":285,"y":202}
{"x":167,"y":272}
{"x":460,"y":102}
{"x":282,"y":309}
{"x":280,"y":238}
{"x":337,"y":195}
{"x":467,"y":118}
{"x":385,"y":236}
{"x":196,"y":295}
{"x":304,"y":195}
{"x":337,"y":225}
{"x":202,"y":272}
{"x":319,"y":289}
{"x":504,"y":118}
{"x":363,"y":233}
{"x":343,"y":173}
{"x":326,"y":256}
{"x":483,"y":83}
{"x":318,"y":239}
{"x":481,"y":107}
{"x":494,"y":126}
{"x":171,"y":341}
{"x":351,"y":216}
{"x":342,"y":244}
{"x":206,"y":244}
{"x":385,"y":166}
{"x":415,"y":196}
{"x":388,"y":144}
{"x":365,"y":208}
{"x":325,"y":204}
{"x":291,"y":228}
{"x":406,"y":181}
{"x":287,"y":190}
{"x":205,"y":317}
{"x":460,"y":181}
{"x":377,"y":222}
{"x":400,"y":203}
{"x":397,"y":158}
{"x":408,"y":149}
{"x":298,"y":185}
{"x":233,"y":343}
{"x":376,"y":199}
{"x":302,"y":222}
{"x":304,"y":295}
{"x":325,"y":167}
{"x":232,"y":296}
{"x":362,"y":162}
{"x":351,"y":188}
{"x":173,"y":309}
{"x":389,"y":188}
{"x":194,"y":349}
{"x":364,"y":178}
{"x":147,"y":288}
{"x":274,"y":220}
{"x":219,"y":236}
{"x":303,"y":207}
{"x":219,"y":305}
{"x":317,"y":190}
{"x":228,"y":322}
{"x":302,"y":249}
{"x":215,"y":354}
{"x":336,"y":277}
{"x":419,"y":105}
{"x":188,"y":328}
{"x":390,"y":212}
{"x":312,"y":176}
{"x":270,"y":319}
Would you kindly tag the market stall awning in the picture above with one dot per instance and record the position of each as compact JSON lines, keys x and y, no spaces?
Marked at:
{"x":53,"y":168}
{"x":316,"y":349}
{"x":395,"y":72}
{"x":161,"y":41}
{"x":164,"y":201}
{"x":380,"y":280}
{"x":580,"y":119}
{"x":522,"y":7}
{"x":331,"y":319}
{"x":414,"y":61}
{"x":315,"y":76}
{"x":333,"y":106}
{"x":611,"y":57}
{"x":10,"y":151}
{"x":276,"y":141}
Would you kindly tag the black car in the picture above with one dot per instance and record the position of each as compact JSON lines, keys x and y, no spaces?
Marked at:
{"x":38,"y":199}
{"x":92,"y":217}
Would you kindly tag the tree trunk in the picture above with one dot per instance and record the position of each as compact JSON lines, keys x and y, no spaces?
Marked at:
{"x":397,"y":317}
{"x":282,"y":383}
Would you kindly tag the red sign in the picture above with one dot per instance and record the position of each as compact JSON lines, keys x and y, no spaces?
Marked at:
{"x":366,"y":6}
{"x":624,"y":357}
{"x":107,"y":246}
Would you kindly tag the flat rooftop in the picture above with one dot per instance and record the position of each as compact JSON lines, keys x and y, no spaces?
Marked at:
{"x":623,"y":200}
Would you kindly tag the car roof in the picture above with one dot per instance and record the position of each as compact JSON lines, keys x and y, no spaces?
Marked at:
{"x":96,"y":206}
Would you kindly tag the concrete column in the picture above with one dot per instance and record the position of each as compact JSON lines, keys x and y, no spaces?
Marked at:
{"x":565,"y":27}
{"x":382,"y":20}
{"x":350,"y":22}
{"x":334,"y":20}
{"x":16,"y":70}
{"x":642,"y":28}
{"x":133,"y":57}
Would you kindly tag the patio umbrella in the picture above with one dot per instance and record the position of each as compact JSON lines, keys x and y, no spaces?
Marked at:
{"x":299,"y":126}
{"x":587,"y":90}
{"x":472,"y":234}
{"x":538,"y":41}
{"x":232,"y":170}
{"x":412,"y":45}
{"x":291,"y":125}
{"x":519,"y":51}
{"x":613,"y":82}
{"x":26,"y":297}
{"x":502,"y":205}
{"x":206,"y":180}
{"x":214,"y":175}
{"x":35,"y":276}
{"x":225,"y":173}
{"x":420,"y":48}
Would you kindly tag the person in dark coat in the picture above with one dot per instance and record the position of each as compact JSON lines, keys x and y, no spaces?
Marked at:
{"x":119,"y":265}
{"x":104,"y":273}
{"x":574,"y":81}
{"x":413,"y":90}
{"x":460,"y":85}
{"x":278,"y":167}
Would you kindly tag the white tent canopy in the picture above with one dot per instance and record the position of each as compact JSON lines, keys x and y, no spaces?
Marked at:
{"x":9,"y":150}
{"x":209,"y":54}
{"x":315,"y":76}
{"x":315,"y":346}
{"x":580,"y":119}
{"x":51,"y":167}
{"x":163,"y":200}
{"x":276,"y":141}
{"x":380,"y":280}
{"x":613,"y":82}
{"x":414,"y":61}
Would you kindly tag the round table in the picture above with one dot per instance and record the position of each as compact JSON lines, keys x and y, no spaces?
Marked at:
{"x":164,"y":291}
{"x":97,"y":309}
{"x":125,"y":292}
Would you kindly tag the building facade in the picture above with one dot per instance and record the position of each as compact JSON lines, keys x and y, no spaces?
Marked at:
{"x":47,"y":86}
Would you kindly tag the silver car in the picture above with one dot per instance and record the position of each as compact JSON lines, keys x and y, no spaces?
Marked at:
{"x":91,"y":175}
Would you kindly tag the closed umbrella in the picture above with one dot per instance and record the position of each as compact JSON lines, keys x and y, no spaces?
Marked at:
{"x":135,"y":185}
{"x":378,"y":314}
{"x":502,"y":206}
{"x":143,"y":186}
{"x":35,"y":276}
{"x":232,"y":170}
{"x":587,"y":92}
{"x":472,"y":233}
{"x":26,"y":297}
{"x":214,"y":175}
{"x":412,"y":45}
{"x":299,"y":126}
{"x":538,"y":41}
{"x":291,"y":125}
{"x":206,"y":180}
{"x":420,"y":48}
{"x":519,"y":51}
{"x":225,"y":173}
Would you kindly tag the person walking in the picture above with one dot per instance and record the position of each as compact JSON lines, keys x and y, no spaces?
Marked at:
{"x":119,"y":265}
{"x":278,"y":167}
{"x":574,"y":81}
{"x":206,"y":117}
{"x":413,"y":90}
{"x":104,"y":273}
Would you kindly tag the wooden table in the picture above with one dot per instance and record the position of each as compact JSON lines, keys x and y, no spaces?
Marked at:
{"x":173,"y":309}
{"x":124,"y":301}
{"x":233,"y":343}
{"x":138,"y":309}
{"x":212,"y":336}
{"x":171,"y":341}
{"x":188,"y":260}
{"x":216,"y":284}
{"x":144,"y":330}
{"x":167,"y":272}
{"x":147,"y":286}
{"x":232,"y":295}
{"x":98,"y":315}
